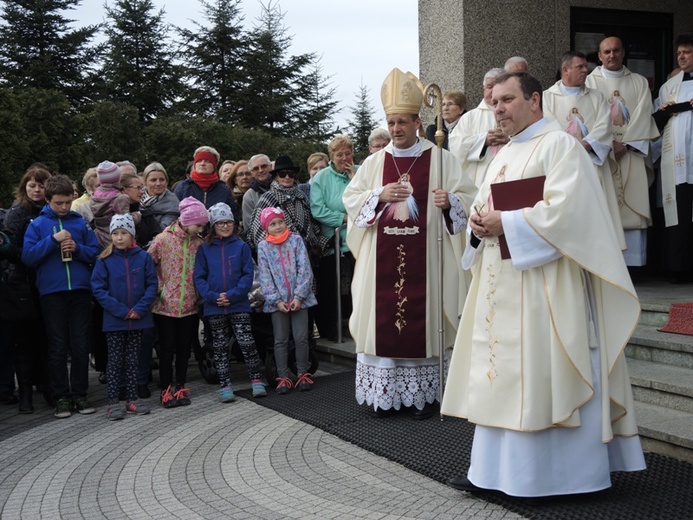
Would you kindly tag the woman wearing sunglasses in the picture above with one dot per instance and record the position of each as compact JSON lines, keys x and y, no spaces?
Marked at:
{"x":284,"y":194}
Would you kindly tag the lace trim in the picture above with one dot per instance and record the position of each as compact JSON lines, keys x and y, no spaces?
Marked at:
{"x":457,"y":214}
{"x":398,"y":386}
{"x":367,"y":215}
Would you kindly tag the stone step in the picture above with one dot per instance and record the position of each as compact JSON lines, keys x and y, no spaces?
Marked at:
{"x":665,"y":431}
{"x":662,"y":385}
{"x":654,"y":314}
{"x":648,"y":344}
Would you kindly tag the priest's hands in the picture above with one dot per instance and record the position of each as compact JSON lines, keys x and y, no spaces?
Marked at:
{"x":441,"y":199}
{"x":486,"y":225}
{"x":620,"y":150}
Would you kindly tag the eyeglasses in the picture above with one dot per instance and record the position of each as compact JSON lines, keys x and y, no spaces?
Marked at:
{"x":260,"y":167}
{"x":224,"y":223}
{"x":445,"y":105}
{"x":286,"y":173}
{"x":138,"y":188}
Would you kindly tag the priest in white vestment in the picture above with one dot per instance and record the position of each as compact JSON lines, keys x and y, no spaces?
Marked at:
{"x":630,"y":108}
{"x":584,"y":114}
{"x":538,"y":363}
{"x":476,"y":138}
{"x":395,"y":204}
{"x":677,"y":164}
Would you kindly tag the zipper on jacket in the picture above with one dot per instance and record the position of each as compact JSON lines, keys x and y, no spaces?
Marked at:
{"x":127,"y":284}
{"x":185,"y":275}
{"x":67,"y":264}
{"x":223,"y":270}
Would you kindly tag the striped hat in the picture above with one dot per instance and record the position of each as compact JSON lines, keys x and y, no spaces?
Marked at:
{"x":108,"y":173}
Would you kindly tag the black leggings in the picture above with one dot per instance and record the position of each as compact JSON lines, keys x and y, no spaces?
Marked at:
{"x":175,"y":338}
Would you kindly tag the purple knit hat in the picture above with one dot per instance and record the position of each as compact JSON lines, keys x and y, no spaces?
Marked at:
{"x":192,"y":212}
{"x":267,"y":215}
{"x":108,"y":173}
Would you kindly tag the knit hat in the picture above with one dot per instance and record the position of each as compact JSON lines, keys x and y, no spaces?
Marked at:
{"x":268,"y":215}
{"x":192,"y":212}
{"x":108,"y":173}
{"x":220,"y":212}
{"x":122,"y":222}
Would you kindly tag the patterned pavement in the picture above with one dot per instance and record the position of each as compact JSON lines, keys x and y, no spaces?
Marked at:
{"x":207,"y":460}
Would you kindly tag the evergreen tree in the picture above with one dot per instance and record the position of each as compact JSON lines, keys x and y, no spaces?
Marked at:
{"x":314,"y":107}
{"x":274,"y":78}
{"x":214,"y":53}
{"x":38,"y":49}
{"x":139,"y":68}
{"x":364,"y":120}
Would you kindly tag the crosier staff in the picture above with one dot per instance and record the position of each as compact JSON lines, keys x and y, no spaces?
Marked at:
{"x":433,"y":95}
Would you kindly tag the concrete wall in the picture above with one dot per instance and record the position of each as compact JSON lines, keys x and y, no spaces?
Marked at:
{"x":459,"y":40}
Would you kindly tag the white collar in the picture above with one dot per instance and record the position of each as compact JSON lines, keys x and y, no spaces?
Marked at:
{"x":530,"y":131}
{"x":412,"y":151}
{"x":613,"y":74}
{"x":569,"y":91}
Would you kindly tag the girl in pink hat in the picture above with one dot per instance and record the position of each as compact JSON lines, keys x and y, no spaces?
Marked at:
{"x":175,"y":310}
{"x":286,"y":279}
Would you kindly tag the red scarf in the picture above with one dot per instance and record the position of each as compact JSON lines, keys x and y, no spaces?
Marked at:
{"x":204,"y":181}
{"x":278,"y":239}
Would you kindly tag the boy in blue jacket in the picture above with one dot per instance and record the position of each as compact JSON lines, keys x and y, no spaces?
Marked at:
{"x":61,"y":248}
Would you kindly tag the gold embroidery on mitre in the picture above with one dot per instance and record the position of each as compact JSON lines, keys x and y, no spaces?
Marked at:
{"x":400,"y":322}
{"x":401,"y":93}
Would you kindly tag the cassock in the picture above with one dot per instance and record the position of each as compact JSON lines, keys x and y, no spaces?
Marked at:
{"x":630,"y":101}
{"x":395,"y":284}
{"x":468,"y":141}
{"x":584,"y":114}
{"x":538,"y":363}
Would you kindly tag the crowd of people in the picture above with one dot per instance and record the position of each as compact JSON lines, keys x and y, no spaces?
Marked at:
{"x":530,"y":211}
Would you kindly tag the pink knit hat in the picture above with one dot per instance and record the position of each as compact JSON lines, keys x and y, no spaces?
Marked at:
{"x":267,"y":215}
{"x":192,"y":212}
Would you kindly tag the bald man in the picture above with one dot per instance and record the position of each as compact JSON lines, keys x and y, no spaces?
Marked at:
{"x":630,"y":110}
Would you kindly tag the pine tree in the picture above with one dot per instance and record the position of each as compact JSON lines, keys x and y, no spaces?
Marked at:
{"x":214,"y":54}
{"x":315,"y":107}
{"x":139,"y":68}
{"x":364,"y":120}
{"x":274,"y":79}
{"x":39,"y":49}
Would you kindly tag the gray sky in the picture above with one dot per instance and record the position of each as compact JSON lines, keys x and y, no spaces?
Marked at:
{"x":359,"y":40}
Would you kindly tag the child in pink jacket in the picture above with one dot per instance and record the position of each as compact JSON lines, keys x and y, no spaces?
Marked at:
{"x":175,"y":310}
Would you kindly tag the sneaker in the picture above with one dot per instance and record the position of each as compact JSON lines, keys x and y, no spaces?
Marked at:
{"x":115,"y":412}
{"x":284,"y":385}
{"x":167,"y":399}
{"x":62,"y":409}
{"x":258,"y":388}
{"x":226,"y":394}
{"x":136,"y":407}
{"x":82,"y":406}
{"x":181,"y":395}
{"x":304,"y":383}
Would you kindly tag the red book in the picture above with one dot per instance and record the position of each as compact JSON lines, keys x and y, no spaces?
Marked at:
{"x":512,"y":195}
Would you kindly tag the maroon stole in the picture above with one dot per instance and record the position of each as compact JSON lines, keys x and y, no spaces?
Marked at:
{"x":400,"y":286}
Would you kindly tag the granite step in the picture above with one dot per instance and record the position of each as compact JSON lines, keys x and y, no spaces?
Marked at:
{"x":662,"y":385}
{"x":648,"y":344}
{"x":665,"y":431}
